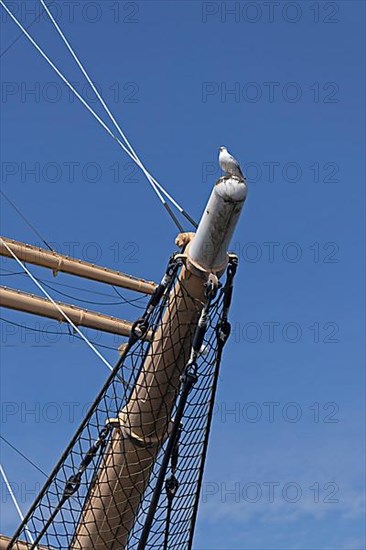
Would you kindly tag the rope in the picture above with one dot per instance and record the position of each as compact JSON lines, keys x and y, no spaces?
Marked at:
{"x":104,"y":487}
{"x":91,"y":302}
{"x":171,"y":487}
{"x":188,"y":379}
{"x":151,"y":179}
{"x":222,"y":330}
{"x":10,"y":490}
{"x":26,"y":221}
{"x":23,"y":455}
{"x":93,"y":348}
{"x":64,"y":79}
{"x":65,"y":486}
{"x":37,"y":18}
{"x":95,"y":115}
{"x":50,"y":332}
{"x":124,"y":300}
{"x":11,"y":273}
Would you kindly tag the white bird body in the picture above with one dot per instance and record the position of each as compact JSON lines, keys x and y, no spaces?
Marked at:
{"x":229,"y":164}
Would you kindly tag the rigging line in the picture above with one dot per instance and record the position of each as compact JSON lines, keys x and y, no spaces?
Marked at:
{"x":117,"y":291}
{"x":37,"y":18}
{"x":11,"y":273}
{"x":127,"y":300}
{"x":23,"y":455}
{"x":92,"y":302}
{"x":64,"y":79}
{"x":130,"y":302}
{"x":26,"y":220}
{"x":91,"y":346}
{"x":96,"y":116}
{"x":43,"y":331}
{"x":123,"y":135}
{"x":15,"y":502}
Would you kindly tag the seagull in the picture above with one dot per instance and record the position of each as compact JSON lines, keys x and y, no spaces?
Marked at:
{"x":229,"y":164}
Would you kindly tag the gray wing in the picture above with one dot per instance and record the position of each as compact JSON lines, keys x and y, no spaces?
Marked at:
{"x":238,"y":168}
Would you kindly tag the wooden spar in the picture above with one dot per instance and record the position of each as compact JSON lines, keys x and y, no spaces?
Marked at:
{"x":110,"y":512}
{"x":29,"y":303}
{"x":60,"y":263}
{"x":20,"y":545}
{"x":143,"y":424}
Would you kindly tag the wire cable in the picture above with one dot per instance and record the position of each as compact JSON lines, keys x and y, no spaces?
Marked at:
{"x":90,"y":302}
{"x":23,"y":455}
{"x":91,"y":346}
{"x":37,"y":18}
{"x":11,"y":273}
{"x":50,"y":332}
{"x":26,"y":221}
{"x":125,"y":300}
{"x":95,"y":115}
{"x":64,"y":79}
{"x":151,"y":179}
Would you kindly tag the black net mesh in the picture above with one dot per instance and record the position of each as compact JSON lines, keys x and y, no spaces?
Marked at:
{"x":100,"y":493}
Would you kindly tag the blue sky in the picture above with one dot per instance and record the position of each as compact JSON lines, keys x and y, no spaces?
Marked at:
{"x":282,"y":86}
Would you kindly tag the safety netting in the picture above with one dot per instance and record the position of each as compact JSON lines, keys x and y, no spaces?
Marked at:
{"x":131,"y":475}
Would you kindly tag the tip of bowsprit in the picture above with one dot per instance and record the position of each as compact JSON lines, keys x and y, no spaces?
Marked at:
{"x":230,"y":178}
{"x":232,"y":187}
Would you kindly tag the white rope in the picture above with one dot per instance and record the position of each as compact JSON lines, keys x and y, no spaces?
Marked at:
{"x":94,"y":88}
{"x":93,"y":348}
{"x":80,"y":98}
{"x":99,"y":96}
{"x":131,"y":153}
{"x":13,"y":497}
